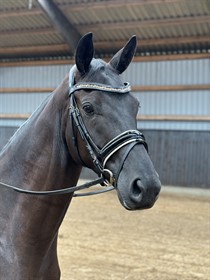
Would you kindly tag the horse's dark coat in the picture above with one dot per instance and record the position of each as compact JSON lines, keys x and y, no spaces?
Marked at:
{"x":41,"y":156}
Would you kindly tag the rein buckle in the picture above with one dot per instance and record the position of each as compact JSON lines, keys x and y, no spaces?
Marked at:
{"x":109,"y":179}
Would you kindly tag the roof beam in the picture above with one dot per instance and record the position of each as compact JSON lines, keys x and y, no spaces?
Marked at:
{"x":120,"y":25}
{"x":145,"y":58}
{"x":108,"y":45}
{"x":19,"y":32}
{"x":156,"y":42}
{"x":20,"y":12}
{"x":61,"y":23}
{"x":33,"y":50}
{"x":114,"y":4}
{"x":175,"y":41}
{"x":145,"y":23}
{"x":81,"y":6}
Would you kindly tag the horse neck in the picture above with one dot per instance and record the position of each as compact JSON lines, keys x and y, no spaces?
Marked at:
{"x":37,"y":158}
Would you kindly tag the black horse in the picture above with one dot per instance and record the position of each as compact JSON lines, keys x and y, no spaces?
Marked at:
{"x":89,"y":120}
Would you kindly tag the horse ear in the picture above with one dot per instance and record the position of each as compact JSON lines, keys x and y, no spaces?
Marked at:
{"x":123,"y":57}
{"x":84,"y":53}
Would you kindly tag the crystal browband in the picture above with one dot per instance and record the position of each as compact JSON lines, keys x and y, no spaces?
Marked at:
{"x":102,"y":87}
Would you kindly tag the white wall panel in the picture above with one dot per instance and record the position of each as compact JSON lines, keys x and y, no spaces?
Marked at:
{"x":183,"y":72}
{"x":180,"y":72}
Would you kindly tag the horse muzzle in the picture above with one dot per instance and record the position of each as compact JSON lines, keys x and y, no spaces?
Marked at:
{"x":140,"y":196}
{"x":138,"y":184}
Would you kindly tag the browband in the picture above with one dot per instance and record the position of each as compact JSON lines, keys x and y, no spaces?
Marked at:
{"x":94,"y":86}
{"x":102,"y":87}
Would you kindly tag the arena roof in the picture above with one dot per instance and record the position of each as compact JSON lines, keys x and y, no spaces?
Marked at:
{"x":161,"y":26}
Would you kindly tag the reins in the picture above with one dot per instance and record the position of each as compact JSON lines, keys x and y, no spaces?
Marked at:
{"x":99,"y":156}
{"x":63,"y":191}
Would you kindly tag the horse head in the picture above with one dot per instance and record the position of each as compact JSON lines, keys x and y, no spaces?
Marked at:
{"x":104,"y":126}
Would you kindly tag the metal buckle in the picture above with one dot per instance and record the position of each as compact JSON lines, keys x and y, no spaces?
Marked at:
{"x":109,"y":177}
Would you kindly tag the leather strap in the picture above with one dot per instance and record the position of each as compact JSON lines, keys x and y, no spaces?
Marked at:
{"x":62,"y":191}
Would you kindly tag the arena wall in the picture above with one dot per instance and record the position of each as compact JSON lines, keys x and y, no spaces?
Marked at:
{"x":174,"y":113}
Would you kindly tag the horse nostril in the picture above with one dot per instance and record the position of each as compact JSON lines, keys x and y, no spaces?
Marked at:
{"x":137,"y":189}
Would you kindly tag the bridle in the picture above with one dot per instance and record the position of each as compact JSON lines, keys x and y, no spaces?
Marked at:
{"x":99,"y":156}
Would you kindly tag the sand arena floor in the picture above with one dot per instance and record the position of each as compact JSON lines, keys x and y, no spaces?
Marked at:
{"x":100,"y":240}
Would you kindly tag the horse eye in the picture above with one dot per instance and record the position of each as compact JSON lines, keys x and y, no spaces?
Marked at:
{"x":88,"y":108}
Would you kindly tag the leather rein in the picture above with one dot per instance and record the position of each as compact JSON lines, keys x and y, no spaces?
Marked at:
{"x":99,"y":156}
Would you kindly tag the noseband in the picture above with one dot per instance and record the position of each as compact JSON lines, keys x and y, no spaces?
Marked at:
{"x":99,"y":156}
